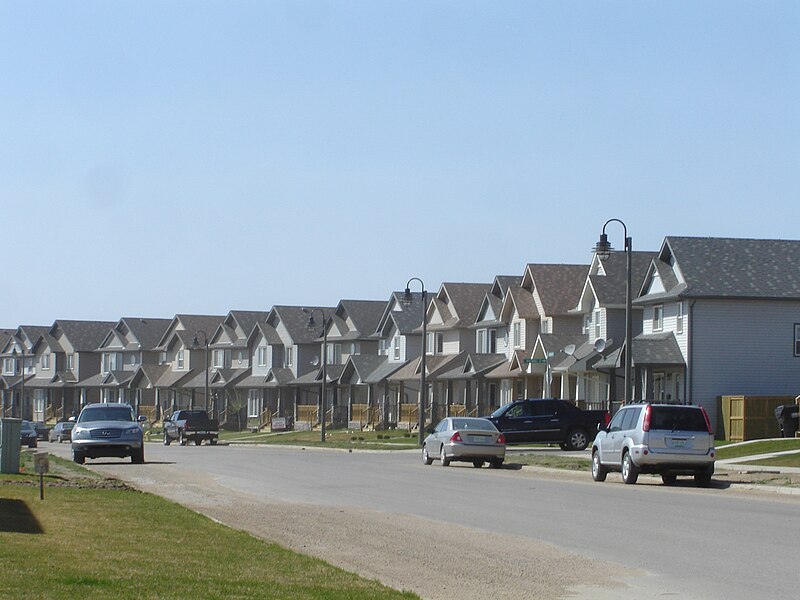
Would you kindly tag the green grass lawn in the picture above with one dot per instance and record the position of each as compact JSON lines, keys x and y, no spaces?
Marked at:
{"x":789,"y":460}
{"x":95,"y":542}
{"x":565,"y":461}
{"x":764,"y":447}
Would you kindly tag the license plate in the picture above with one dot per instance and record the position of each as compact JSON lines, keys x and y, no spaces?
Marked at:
{"x":676,"y":443}
{"x":480,"y":439}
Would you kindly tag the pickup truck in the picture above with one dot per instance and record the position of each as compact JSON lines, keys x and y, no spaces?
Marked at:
{"x":548,"y":420}
{"x":190,"y":425}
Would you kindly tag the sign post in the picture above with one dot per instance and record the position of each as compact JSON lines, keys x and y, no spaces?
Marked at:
{"x":41,"y":462}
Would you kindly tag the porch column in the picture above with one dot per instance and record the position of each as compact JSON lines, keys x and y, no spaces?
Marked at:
{"x":564,"y":385}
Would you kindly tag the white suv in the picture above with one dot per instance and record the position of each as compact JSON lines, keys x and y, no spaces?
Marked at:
{"x":668,"y":439}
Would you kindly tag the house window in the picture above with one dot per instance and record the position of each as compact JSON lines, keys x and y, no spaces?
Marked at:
{"x":110,"y":361}
{"x":262,"y":357}
{"x":290,"y":356}
{"x":162,"y":358}
{"x":134,"y":359}
{"x":797,"y":339}
{"x":240,"y":357}
{"x":45,"y":361}
{"x":435,"y":343}
{"x":481,"y":341}
{"x":587,"y":324}
{"x":39,"y":402}
{"x":517,"y":334}
{"x":254,"y":403}
{"x":492,"y":341}
{"x":382,"y":348}
{"x":396,"y":349}
{"x":9,"y":366}
{"x":180,"y":359}
{"x":597,"y":320}
{"x":70,"y":361}
{"x":219,"y":359}
{"x":545,"y":327}
{"x":679,"y":318}
{"x":658,"y":317}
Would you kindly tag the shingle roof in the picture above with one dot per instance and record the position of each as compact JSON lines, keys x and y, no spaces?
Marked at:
{"x":559,"y":286}
{"x":610,"y":288}
{"x":85,"y":336}
{"x":295,"y":320}
{"x":737,"y":268}
{"x":147,"y":331}
{"x":364,"y":314}
{"x":247,"y":319}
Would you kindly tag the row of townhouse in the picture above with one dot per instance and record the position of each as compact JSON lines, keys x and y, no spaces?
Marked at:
{"x":711,"y":317}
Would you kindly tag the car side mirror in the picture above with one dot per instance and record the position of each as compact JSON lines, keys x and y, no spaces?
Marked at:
{"x":142,"y":419}
{"x":601,"y":427}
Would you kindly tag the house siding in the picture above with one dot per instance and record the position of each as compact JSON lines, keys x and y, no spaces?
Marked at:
{"x":742,"y":347}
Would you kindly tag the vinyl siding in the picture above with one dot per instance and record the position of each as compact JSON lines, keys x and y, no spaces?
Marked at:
{"x":670,"y":323}
{"x":743,"y":347}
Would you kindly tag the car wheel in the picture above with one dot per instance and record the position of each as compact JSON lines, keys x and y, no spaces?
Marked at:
{"x":703,"y":479}
{"x":477,"y":464}
{"x":669,"y":478}
{"x":496,"y":463}
{"x":60,"y":439}
{"x":137,"y":457}
{"x":630,"y":472}
{"x":181,"y":439}
{"x":599,"y":472}
{"x":426,"y":459}
{"x":198,"y":441}
{"x":577,"y":439}
{"x":443,"y":458}
{"x":78,"y":457}
{"x":213,"y":441}
{"x":166,"y":439}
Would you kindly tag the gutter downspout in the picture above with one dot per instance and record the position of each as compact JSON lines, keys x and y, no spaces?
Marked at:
{"x":688,"y":380}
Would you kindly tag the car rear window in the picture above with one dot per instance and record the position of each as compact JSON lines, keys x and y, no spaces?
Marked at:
{"x":678,"y":418}
{"x":479,"y":424}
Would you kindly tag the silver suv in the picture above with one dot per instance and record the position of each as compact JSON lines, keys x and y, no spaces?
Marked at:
{"x":667,"y":439}
{"x":107,"y":430}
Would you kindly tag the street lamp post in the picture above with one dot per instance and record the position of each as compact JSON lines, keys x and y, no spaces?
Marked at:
{"x":603,"y":250}
{"x":196,"y":345}
{"x":323,"y":404}
{"x":407,"y":301}
{"x":14,"y":411}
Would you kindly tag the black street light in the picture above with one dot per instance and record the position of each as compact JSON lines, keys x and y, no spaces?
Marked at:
{"x":408,"y":299}
{"x":311,"y":326}
{"x":603,"y":250}
{"x":196,"y":346}
{"x":21,"y":381}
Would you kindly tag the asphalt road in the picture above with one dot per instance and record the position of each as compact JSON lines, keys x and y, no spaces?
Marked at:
{"x":700,"y":543}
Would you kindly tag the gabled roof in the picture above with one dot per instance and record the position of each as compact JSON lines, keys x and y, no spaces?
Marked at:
{"x":190,"y":324}
{"x":137,"y":333}
{"x":473,"y":366}
{"x":295,"y":320}
{"x":434,"y":364}
{"x":149,"y":374}
{"x":609,"y":287}
{"x":267,"y":331}
{"x":24,"y":335}
{"x":405,"y":318}
{"x":648,"y":349}
{"x":458,"y":304}
{"x":83,"y":336}
{"x":521,"y":299}
{"x":557,"y":286}
{"x":515,"y":367}
{"x":702,"y":267}
{"x":363,"y":317}
{"x":247,"y":319}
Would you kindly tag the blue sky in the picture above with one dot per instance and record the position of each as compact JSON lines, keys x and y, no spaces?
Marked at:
{"x":161,"y":157}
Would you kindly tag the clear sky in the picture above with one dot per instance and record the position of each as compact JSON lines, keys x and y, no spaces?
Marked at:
{"x":163,"y":157}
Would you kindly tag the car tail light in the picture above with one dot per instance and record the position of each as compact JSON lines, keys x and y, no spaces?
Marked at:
{"x":607,"y":418}
{"x":708,"y":421}
{"x":186,"y":426}
{"x":646,"y":422}
{"x":501,"y":439}
{"x":456,"y":437}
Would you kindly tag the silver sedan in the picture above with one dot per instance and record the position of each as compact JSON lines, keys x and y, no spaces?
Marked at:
{"x":465,"y":439}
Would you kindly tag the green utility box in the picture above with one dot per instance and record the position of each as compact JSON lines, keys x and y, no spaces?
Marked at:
{"x":10,"y":430}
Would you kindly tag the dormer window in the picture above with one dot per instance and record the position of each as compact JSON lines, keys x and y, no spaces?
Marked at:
{"x":46,"y":361}
{"x":179,"y":358}
{"x":658,"y":317}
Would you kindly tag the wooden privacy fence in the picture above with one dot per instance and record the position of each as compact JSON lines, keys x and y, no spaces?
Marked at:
{"x":751,"y":417}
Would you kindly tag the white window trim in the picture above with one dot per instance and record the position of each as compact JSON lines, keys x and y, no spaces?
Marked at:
{"x":658,"y":317}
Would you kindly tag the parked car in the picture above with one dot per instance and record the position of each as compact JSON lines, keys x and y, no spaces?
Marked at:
{"x":186,"y":426}
{"x":548,"y":420}
{"x":667,"y":439}
{"x":61,"y":431}
{"x":42,"y":430}
{"x":27,"y":436}
{"x":107,"y":430}
{"x":466,"y":439}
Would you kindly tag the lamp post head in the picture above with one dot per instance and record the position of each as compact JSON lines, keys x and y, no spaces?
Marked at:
{"x":603,"y":248}
{"x":407,"y":299}
{"x":311,"y":325}
{"x":195,"y":343}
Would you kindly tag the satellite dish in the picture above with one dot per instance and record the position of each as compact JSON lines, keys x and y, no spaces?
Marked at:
{"x":569,"y":349}
{"x":599,"y":345}
{"x":315,"y":361}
